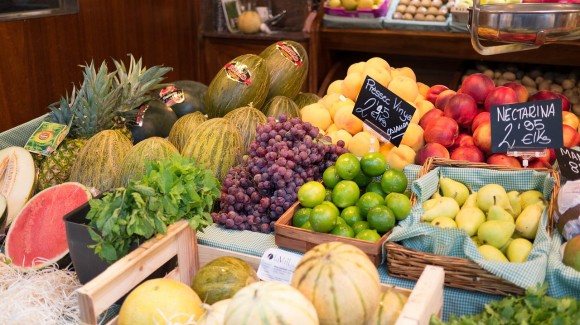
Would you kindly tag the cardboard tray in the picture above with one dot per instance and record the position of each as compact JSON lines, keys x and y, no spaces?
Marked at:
{"x":401,"y":24}
{"x":359,"y":13}
{"x":302,"y":240}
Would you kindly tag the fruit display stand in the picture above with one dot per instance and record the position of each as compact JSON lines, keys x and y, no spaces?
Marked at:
{"x":461,"y":272}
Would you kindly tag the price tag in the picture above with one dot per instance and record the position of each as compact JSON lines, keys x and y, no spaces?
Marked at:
{"x":278,"y":265}
{"x":526,"y":126}
{"x":384,"y":112}
{"x":569,"y":163}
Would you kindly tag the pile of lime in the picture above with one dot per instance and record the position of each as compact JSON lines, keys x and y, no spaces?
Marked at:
{"x":357,"y":199}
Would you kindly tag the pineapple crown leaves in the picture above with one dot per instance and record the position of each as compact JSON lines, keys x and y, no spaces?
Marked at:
{"x":136,"y":84}
{"x":60,"y":112}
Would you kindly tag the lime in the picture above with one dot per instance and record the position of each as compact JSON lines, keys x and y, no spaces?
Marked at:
{"x":323,"y":218}
{"x":381,"y":218}
{"x":340,"y":221}
{"x":369,"y":234}
{"x":351,"y":215}
{"x":311,"y":194}
{"x":362,"y":180}
{"x":328,"y":195}
{"x":345,"y":194}
{"x":307,"y":226}
{"x":343,"y":230}
{"x":347,"y":166}
{"x":394,"y":181}
{"x":330,"y":204}
{"x":301,"y":216}
{"x":400,"y":204}
{"x":359,"y":226}
{"x":373,"y":164}
{"x":375,"y":186}
{"x":368,"y":201}
{"x":330,"y":177}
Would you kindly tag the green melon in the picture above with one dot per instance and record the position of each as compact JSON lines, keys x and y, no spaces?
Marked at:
{"x":305,"y":99}
{"x":184,"y":128}
{"x":287,"y":63}
{"x":99,"y":161}
{"x":150,"y":149}
{"x":216,"y":145}
{"x":246,"y":119}
{"x":279,"y":105}
{"x":221,"y":278}
{"x":242,"y":81}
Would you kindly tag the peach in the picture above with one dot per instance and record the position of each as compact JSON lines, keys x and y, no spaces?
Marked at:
{"x":381,"y":75}
{"x":362,"y":143}
{"x":482,"y":137}
{"x":462,"y":108}
{"x":565,"y":102}
{"x":400,"y":156}
{"x":423,"y":89}
{"x":443,"y":130}
{"x":434,"y":91}
{"x":468,"y":153}
{"x":571,"y":136}
{"x":413,"y":137}
{"x":431,"y":150}
{"x":406,"y":71}
{"x":331,"y":128}
{"x":334,"y":87}
{"x":443,"y":98}
{"x":356,"y":67}
{"x":316,"y":115}
{"x":478,"y":86}
{"x":344,"y":119}
{"x":500,"y":96}
{"x":378,"y":62}
{"x":430,"y":116}
{"x":521,"y":90}
{"x":341,"y":103}
{"x":503,"y":159}
{"x":329,"y":99}
{"x":385,"y":148}
{"x":424,"y":106}
{"x":404,"y":87}
{"x":480,"y":118}
{"x":463,"y":139}
{"x":570,"y":118}
{"x":338,"y":135}
{"x":352,"y":84}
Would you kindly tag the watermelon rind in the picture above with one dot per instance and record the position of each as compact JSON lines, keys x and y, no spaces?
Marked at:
{"x":37,"y":236}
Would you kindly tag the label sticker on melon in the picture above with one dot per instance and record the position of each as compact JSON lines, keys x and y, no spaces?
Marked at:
{"x":289,"y":52}
{"x":171,"y":95}
{"x":278,"y":265}
{"x":238,"y":72}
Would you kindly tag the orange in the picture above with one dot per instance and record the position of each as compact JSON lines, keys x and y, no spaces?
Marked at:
{"x":373,"y":164}
{"x":301,"y":216}
{"x":347,"y":166}
{"x":343,"y":230}
{"x":316,"y":115}
{"x":369,"y":235}
{"x":394,"y":181}
{"x":368,"y":201}
{"x":359,"y":226}
{"x":351,"y":215}
{"x":330,"y":177}
{"x":400,"y":204}
{"x":381,"y":218}
{"x":323,"y":218}
{"x":311,"y":194}
{"x":345,"y":194}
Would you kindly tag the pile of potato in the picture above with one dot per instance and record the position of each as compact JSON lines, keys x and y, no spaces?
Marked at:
{"x":536,"y":79}
{"x":423,"y":10}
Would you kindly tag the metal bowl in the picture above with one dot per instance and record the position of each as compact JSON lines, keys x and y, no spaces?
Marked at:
{"x":525,"y":25}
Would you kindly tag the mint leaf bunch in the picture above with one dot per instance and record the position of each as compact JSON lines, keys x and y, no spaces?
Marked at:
{"x":170,"y":190}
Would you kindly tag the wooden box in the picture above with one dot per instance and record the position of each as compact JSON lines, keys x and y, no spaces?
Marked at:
{"x":302,"y":240}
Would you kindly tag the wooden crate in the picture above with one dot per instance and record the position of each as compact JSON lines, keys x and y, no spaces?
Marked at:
{"x":302,"y":240}
{"x":103,"y":291}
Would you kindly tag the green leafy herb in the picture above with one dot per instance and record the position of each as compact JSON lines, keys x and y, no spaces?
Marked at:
{"x":170,"y":190}
{"x":533,"y":308}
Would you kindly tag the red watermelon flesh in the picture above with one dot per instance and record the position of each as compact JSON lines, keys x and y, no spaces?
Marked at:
{"x":37,"y":236}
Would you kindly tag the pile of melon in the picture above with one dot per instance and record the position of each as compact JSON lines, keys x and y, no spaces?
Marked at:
{"x":334,"y":283}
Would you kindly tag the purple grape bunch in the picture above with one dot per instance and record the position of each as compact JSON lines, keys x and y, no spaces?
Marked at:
{"x":284,"y":155}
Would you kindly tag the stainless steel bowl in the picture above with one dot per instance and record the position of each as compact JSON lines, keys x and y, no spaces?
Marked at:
{"x":524,"y":25}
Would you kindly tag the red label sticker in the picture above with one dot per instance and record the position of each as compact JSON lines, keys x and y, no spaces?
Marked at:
{"x":238,"y":72}
{"x":141,"y":114}
{"x":289,"y":52}
{"x":171,"y":95}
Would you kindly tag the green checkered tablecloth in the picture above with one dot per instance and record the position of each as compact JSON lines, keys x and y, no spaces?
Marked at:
{"x":19,"y":135}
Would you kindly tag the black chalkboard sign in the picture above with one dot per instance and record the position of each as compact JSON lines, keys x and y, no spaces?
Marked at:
{"x":569,"y":163}
{"x":526,"y":126}
{"x":383,"y":111}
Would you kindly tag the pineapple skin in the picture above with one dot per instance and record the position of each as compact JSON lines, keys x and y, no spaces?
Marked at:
{"x":55,"y":168}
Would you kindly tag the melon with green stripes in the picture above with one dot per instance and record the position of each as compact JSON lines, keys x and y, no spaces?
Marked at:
{"x":341,"y":282}
{"x":216,"y":144}
{"x":390,"y":306}
{"x":184,"y":127}
{"x":246,"y":119}
{"x":279,"y":105}
{"x":270,"y":303}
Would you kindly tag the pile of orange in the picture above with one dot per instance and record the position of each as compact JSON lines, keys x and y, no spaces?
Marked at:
{"x":357,"y":199}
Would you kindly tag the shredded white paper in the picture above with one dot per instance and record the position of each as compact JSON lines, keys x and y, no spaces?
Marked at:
{"x":46,"y":296}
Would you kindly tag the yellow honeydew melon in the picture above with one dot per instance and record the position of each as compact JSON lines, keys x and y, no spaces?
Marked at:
{"x":17,"y":178}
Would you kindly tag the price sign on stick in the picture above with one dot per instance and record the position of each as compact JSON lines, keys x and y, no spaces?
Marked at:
{"x":384,"y":112}
{"x":526,"y":126}
{"x":569,"y":163}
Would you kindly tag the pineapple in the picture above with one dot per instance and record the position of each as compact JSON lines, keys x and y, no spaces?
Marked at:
{"x":105,"y":100}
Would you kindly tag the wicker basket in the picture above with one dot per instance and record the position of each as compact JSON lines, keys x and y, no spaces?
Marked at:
{"x":459,"y":272}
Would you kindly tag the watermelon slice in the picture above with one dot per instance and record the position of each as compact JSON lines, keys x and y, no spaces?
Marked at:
{"x":37,"y":236}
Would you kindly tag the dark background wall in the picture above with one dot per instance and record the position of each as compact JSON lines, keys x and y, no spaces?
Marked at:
{"x":40,"y":57}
